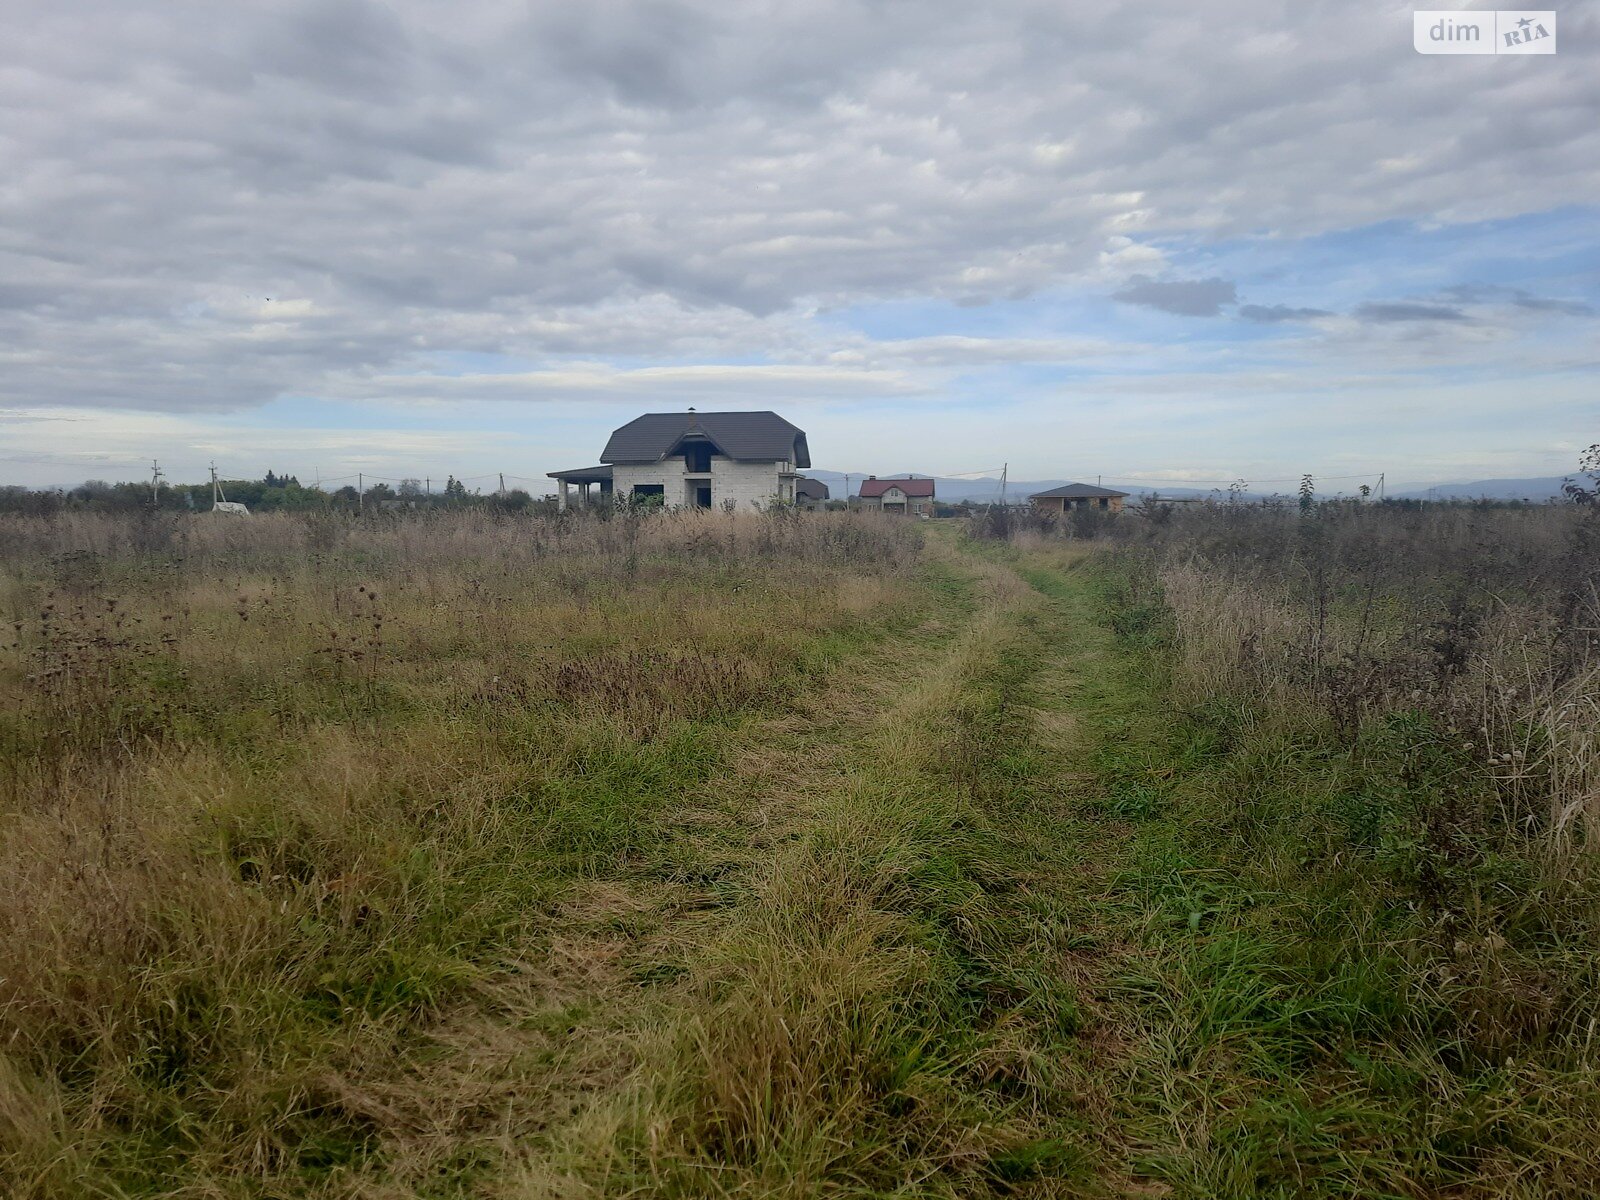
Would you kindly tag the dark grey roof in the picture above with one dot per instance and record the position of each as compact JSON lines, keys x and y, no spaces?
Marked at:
{"x":584,"y":474}
{"x":1077,"y":491}
{"x":746,"y":436}
{"x":813,"y":488}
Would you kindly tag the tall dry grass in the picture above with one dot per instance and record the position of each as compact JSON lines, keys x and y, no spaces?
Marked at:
{"x":1355,"y":750}
{"x":1388,"y":722}
{"x":281,"y":799}
{"x":1483,"y":623}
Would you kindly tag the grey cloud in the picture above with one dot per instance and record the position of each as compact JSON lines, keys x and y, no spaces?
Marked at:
{"x":1470,"y":293}
{"x":1185,"y":297}
{"x":17,"y":416}
{"x":350,"y":47}
{"x":599,"y":178}
{"x":1274,"y":313}
{"x":957,"y":350}
{"x":1567,"y":308}
{"x":649,"y":53}
{"x":1384,"y":312}
{"x":647,"y":385}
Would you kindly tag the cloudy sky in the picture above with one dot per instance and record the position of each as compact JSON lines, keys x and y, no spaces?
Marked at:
{"x":1152,"y":241}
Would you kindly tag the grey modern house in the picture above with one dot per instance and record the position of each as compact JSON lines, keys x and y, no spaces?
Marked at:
{"x":694,"y":460}
{"x":810,"y":493}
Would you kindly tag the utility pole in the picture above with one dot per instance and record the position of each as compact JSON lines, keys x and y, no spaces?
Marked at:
{"x":361,"y":492}
{"x":216,"y":488}
{"x":502,"y":483}
{"x":1004,"y":469}
{"x":1381,"y":475}
{"x":427,"y":485}
{"x":155,"y":483}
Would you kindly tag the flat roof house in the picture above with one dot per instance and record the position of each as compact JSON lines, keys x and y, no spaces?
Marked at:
{"x":1078,"y":495}
{"x":695,"y":460}
{"x":913,"y":497}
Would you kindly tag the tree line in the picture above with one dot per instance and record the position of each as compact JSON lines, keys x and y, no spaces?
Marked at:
{"x":271,"y":493}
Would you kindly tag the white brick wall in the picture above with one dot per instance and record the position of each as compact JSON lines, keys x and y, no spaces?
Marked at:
{"x":748,"y":484}
{"x":625,"y":479}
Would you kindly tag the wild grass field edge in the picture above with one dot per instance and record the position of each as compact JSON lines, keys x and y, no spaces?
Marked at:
{"x":1366,"y":861}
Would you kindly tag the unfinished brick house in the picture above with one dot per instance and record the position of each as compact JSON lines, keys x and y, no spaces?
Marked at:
{"x":1078,"y":495}
{"x":694,"y":460}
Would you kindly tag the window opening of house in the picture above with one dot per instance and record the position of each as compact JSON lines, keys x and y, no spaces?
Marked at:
{"x":697,"y":457}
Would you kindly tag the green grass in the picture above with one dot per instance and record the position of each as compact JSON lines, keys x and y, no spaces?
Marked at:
{"x":879,"y":1007}
{"x":1334,"y":995}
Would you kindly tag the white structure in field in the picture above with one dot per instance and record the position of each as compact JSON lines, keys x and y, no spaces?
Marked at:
{"x":695,"y":460}
{"x":219,"y":499}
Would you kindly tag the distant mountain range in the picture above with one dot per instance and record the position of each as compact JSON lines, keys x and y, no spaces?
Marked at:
{"x":1536,"y":490}
{"x":986,"y":490}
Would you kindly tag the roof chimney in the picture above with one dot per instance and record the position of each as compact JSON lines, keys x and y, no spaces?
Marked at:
{"x":871,"y":476}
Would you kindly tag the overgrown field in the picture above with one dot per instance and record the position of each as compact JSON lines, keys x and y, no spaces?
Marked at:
{"x":1368,"y":865}
{"x":1241,"y":853}
{"x":294,"y":808}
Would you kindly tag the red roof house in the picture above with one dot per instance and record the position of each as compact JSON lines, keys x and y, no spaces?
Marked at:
{"x":913,"y":497}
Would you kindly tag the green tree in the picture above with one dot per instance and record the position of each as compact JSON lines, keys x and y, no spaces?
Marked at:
{"x":1584,"y":488}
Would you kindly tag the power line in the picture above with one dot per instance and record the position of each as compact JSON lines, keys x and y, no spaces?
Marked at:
{"x":1242,"y":479}
{"x":984,"y":473}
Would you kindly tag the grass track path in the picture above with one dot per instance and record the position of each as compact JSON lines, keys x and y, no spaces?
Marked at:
{"x":884,"y":950}
{"x":967,"y":933}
